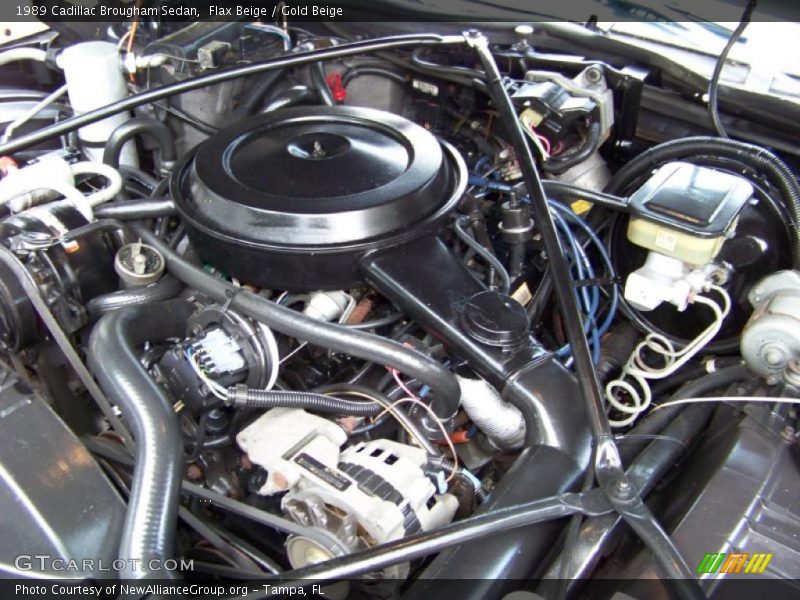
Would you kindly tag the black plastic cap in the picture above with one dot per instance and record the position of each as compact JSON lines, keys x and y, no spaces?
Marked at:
{"x":495,"y":319}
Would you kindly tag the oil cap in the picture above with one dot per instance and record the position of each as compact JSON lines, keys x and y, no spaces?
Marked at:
{"x":495,"y":319}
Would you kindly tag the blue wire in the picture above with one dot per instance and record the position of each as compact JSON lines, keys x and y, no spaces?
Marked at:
{"x":486,"y":183}
{"x":590,"y":304}
{"x":481,"y":162}
{"x":584,"y":268}
{"x":588,"y":296}
{"x":612,"y":310}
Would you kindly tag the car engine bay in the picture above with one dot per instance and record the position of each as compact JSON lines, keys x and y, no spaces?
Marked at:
{"x":395,"y":309}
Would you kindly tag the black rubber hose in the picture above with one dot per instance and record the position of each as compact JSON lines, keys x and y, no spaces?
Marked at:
{"x":158,"y":131}
{"x":708,"y":383}
{"x":327,"y":335}
{"x":320,"y":84}
{"x":113,"y":352}
{"x":560,"y":164}
{"x":713,"y":84}
{"x":692,"y":372}
{"x":243,"y":397}
{"x":569,"y":193}
{"x":477,"y":222}
{"x":516,"y":260}
{"x":188,"y":119}
{"x":165,"y":288}
{"x":541,"y":298}
{"x":132,"y":174}
{"x":490,"y":259}
{"x":297,"y":94}
{"x":255,"y":96}
{"x":755,"y":157}
{"x":464,"y":74}
{"x":134,"y":210}
{"x":655,"y":422}
{"x":359,"y":71}
{"x":98,"y":226}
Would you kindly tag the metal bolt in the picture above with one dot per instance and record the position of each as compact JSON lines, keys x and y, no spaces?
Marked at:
{"x":594,"y":75}
{"x":523,"y":30}
{"x":773,"y":356}
{"x":524,"y":34}
{"x":623,"y":489}
{"x":719,"y":276}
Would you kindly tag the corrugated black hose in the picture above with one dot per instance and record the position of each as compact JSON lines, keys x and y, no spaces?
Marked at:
{"x":241,"y":396}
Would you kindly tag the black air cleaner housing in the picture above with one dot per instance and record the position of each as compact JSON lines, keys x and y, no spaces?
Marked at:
{"x":291,"y":199}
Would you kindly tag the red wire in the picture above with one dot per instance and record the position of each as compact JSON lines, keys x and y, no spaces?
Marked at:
{"x":541,"y":138}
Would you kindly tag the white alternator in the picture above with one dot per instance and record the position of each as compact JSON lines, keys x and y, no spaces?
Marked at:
{"x":367,"y":494}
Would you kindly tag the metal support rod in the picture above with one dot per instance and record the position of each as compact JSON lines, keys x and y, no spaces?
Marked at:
{"x":608,"y":467}
{"x":646,"y":470}
{"x":590,"y":503}
{"x":562,"y":282}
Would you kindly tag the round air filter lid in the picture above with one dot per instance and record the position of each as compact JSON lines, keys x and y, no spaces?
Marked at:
{"x":316,"y":177}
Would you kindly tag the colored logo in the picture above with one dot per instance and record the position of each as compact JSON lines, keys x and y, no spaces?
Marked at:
{"x":729,"y":562}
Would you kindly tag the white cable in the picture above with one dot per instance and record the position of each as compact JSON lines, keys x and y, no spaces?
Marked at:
{"x":348,"y":310}
{"x":274,"y":355}
{"x":432,"y":415}
{"x":638,"y":395}
{"x":62,"y":188}
{"x":214,"y":387}
{"x":293,"y":352}
{"x":22,"y":54}
{"x":535,"y":139}
{"x":700,"y":400}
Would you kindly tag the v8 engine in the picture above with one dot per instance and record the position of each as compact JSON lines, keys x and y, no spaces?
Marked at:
{"x":377,"y":311}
